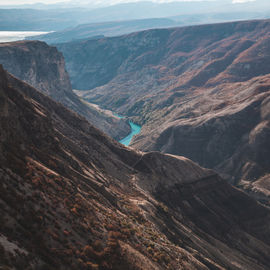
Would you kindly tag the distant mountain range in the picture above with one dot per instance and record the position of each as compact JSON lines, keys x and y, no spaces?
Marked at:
{"x":117,"y":28}
{"x":96,"y":30}
{"x":59,"y":18}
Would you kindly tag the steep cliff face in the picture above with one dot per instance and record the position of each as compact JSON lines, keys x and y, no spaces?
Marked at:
{"x":225,"y":127}
{"x":43,"y":67}
{"x":199,"y":91}
{"x":72,"y":198}
{"x":38,"y":64}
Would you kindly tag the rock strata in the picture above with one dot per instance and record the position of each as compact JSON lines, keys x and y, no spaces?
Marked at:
{"x":73,"y":198}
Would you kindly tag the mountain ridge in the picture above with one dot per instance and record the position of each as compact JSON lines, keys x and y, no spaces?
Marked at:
{"x":71,"y":197}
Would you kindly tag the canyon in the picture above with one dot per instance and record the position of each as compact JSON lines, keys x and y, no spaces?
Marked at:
{"x":199,"y":91}
{"x":43,"y":67}
{"x":192,"y":189}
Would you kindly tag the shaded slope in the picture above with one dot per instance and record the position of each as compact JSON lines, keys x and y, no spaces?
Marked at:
{"x":43,"y":67}
{"x":72,"y":198}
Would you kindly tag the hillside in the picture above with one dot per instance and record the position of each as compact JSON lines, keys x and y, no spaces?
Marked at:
{"x":72,"y":198}
{"x":43,"y":67}
{"x":199,"y":91}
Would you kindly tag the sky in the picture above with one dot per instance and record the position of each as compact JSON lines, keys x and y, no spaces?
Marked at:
{"x":96,"y":2}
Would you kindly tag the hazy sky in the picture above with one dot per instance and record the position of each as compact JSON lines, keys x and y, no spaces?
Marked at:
{"x":95,"y":2}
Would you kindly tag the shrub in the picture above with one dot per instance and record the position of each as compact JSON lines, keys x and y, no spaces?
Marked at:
{"x":92,"y":266}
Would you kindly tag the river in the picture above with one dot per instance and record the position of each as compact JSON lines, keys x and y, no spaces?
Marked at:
{"x":135,"y":129}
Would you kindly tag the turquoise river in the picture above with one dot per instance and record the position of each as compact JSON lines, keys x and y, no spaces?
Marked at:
{"x":135,"y":129}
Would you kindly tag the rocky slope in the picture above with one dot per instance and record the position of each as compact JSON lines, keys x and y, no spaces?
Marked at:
{"x":200,"y":91}
{"x":43,"y":67}
{"x":72,"y":198}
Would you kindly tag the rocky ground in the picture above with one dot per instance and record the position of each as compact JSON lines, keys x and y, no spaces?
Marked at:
{"x":72,"y":198}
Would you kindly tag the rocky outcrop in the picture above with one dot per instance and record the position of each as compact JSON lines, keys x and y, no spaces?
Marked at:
{"x":72,"y":198}
{"x":199,"y":91}
{"x":43,"y":67}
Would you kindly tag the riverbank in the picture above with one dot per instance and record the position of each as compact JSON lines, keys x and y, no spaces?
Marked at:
{"x":135,"y":129}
